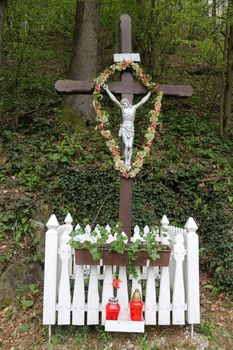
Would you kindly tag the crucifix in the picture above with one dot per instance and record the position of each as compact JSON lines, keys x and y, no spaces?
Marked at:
{"x":127,"y":87}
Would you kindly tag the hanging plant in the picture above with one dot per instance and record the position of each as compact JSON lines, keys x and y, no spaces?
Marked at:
{"x":102,"y":117}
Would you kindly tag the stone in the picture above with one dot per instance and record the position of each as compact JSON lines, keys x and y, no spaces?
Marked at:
{"x":42,"y":212}
{"x":39,"y":230}
{"x":3,"y":157}
{"x":16,"y":276}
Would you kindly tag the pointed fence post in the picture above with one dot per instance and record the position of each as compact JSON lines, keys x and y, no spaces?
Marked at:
{"x":192,"y":272}
{"x":50,"y":272}
{"x":164,"y":292}
{"x":164,"y":230}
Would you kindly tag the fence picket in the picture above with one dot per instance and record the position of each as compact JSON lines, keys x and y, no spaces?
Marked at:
{"x":107,"y":290}
{"x":178,"y":292}
{"x":78,"y":314}
{"x":192,"y":273}
{"x":50,"y":272}
{"x":122,"y":292}
{"x":93,"y":297}
{"x":64,"y":297}
{"x":150,"y":300}
{"x":164,"y":297}
{"x":136,"y":281}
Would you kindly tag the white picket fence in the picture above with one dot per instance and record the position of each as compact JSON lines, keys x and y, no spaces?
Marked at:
{"x":77,"y":294}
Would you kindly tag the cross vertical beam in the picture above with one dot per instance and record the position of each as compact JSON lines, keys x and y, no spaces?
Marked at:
{"x":126,"y":185}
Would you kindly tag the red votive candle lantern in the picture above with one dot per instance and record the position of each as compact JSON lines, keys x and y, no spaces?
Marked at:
{"x":112,"y":309}
{"x":136,"y":306}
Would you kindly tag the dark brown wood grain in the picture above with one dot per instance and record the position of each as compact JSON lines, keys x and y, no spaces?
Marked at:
{"x":71,"y":87}
{"x":126,"y":185}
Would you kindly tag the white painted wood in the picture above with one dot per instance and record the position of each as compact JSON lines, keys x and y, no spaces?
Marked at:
{"x":50,"y":272}
{"x":107,"y":290}
{"x":78,"y":314}
{"x":178,"y":292}
{"x":122,"y":292}
{"x":180,"y":271}
{"x":150,"y":300}
{"x":125,"y":326}
{"x":164,"y":234}
{"x":136,"y":281}
{"x":192,"y":273}
{"x":136,"y":236}
{"x":119,"y":57}
{"x":164,"y":297}
{"x":64,"y":297}
{"x":146,"y":230}
{"x":93,"y":297}
{"x":68,"y":220}
{"x":108,"y":228}
{"x":69,"y":227}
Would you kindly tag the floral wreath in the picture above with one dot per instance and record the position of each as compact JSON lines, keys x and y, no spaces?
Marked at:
{"x":102,"y":117}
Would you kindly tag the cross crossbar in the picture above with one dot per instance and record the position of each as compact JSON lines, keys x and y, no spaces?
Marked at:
{"x":72,"y":87}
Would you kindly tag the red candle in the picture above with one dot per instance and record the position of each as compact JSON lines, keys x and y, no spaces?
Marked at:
{"x":112,"y":309}
{"x":136,"y":306}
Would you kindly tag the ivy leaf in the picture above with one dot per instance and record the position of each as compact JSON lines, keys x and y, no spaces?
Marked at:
{"x":27,"y":303}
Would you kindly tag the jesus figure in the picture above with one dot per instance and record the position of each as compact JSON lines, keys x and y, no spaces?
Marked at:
{"x":126,"y":131}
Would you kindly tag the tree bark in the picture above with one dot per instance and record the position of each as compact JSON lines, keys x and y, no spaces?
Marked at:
{"x":3,"y":4}
{"x":229,"y":77}
{"x":2,"y":21}
{"x":83,"y":64}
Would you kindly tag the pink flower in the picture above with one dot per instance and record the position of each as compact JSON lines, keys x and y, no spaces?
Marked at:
{"x":158,"y":108}
{"x":124,"y":64}
{"x":153,"y":125}
{"x":115,"y":153}
{"x":125,"y":174}
{"x":97,"y":108}
{"x":101,"y":126}
{"x":98,"y":87}
{"x":154,"y":88}
{"x":149,"y":144}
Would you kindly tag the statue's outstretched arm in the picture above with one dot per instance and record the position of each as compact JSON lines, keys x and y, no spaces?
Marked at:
{"x":112,"y":97}
{"x":143,"y":100}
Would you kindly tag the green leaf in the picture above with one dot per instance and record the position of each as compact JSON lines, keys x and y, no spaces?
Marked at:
{"x":208,"y":286}
{"x":27,"y":303}
{"x":24,"y":328}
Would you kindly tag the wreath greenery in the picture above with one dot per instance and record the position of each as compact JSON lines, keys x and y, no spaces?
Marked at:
{"x":102,"y":117}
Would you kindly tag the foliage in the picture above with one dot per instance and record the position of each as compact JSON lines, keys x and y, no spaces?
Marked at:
{"x":98,"y":239}
{"x":189,"y":172}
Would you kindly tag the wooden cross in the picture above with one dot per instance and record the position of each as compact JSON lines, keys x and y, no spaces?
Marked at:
{"x":127,"y":88}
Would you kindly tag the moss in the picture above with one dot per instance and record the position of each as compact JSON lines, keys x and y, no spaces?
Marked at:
{"x":71,"y":119}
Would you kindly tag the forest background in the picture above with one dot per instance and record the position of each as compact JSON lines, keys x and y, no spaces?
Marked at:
{"x":53,"y":161}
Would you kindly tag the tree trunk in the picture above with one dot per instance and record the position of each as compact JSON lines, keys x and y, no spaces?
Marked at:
{"x":2,"y":21}
{"x":83,"y":64}
{"x":229,"y":77}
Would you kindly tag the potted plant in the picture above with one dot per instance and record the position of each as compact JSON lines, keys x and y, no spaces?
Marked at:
{"x":114,"y":248}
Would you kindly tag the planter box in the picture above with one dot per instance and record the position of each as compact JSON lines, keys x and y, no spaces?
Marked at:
{"x":83,"y":257}
{"x":163,"y":260}
{"x":111,"y":258}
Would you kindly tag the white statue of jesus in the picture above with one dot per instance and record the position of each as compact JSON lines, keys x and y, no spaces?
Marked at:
{"x":126,"y":131}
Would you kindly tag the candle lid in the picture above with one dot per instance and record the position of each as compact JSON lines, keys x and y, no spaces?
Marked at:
{"x":113,"y":300}
{"x":136,"y":295}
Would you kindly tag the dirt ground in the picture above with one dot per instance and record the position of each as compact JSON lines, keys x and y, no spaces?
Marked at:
{"x":21,"y":328}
